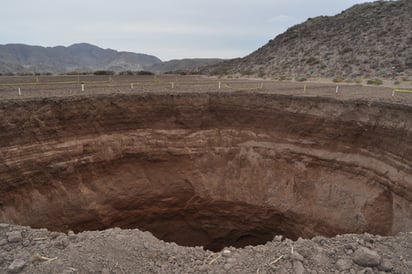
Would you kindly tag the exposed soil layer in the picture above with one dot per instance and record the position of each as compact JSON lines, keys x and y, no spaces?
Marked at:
{"x":211,"y":169}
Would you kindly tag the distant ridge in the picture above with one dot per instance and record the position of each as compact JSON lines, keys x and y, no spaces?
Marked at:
{"x":371,"y":39}
{"x":184,"y":65}
{"x":77,"y":57}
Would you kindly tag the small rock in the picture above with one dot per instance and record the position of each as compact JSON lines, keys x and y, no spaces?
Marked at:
{"x":367,"y":270}
{"x":3,"y":242}
{"x":54,"y":235}
{"x":227,"y":266}
{"x":61,"y":242}
{"x":344,"y":264}
{"x":14,"y":237}
{"x":16,"y":266}
{"x":365,"y":257}
{"x":231,"y":260}
{"x":278,"y":238}
{"x":35,"y":258}
{"x":385,"y":265}
{"x":4,"y":225}
{"x":296,"y":257}
{"x":203,"y":268}
{"x":72,"y":236}
{"x":226,"y":253}
{"x":26,"y":243}
{"x":298,"y":267}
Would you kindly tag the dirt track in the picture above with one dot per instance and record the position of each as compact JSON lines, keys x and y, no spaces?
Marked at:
{"x":229,"y":167}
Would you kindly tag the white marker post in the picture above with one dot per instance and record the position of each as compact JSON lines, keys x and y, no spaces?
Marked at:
{"x":393,"y":93}
{"x":82,"y":87}
{"x":173,"y":85}
{"x":304,"y":88}
{"x":131,"y":86}
{"x":337,"y":89}
{"x":19,"y":92}
{"x":220,"y":85}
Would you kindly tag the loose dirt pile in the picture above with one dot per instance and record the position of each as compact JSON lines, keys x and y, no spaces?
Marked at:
{"x":211,"y":169}
{"x":24,"y":250}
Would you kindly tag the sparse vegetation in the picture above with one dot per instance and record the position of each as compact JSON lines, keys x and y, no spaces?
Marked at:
{"x":374,"y":82}
{"x":338,"y":79}
{"x":103,"y":72}
{"x":144,"y":72}
{"x":301,"y":79}
{"x":312,"y":61}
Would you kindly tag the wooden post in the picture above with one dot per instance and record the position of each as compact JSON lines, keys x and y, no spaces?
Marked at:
{"x":173,"y":85}
{"x":219,"y":85}
{"x":19,"y":92}
{"x":393,"y":92}
{"x":131,"y":85}
{"x":82,"y":87}
{"x":261,"y":85}
{"x":337,"y":89}
{"x":304,"y":88}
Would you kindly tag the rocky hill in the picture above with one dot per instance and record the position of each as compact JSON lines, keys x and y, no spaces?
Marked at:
{"x":371,"y":39}
{"x":78,"y":57}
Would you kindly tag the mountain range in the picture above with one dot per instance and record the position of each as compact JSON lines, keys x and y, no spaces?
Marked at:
{"x":83,"y":57}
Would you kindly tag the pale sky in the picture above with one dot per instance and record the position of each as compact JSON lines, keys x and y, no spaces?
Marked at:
{"x":168,"y":29}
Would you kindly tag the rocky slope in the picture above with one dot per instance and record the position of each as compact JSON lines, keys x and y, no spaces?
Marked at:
{"x":371,"y":39}
{"x":78,"y":57}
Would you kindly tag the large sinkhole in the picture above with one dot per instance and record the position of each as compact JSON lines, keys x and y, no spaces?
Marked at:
{"x":208,"y":169}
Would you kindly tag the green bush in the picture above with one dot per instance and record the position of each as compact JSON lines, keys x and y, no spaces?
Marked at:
{"x":103,"y":72}
{"x":144,"y":72}
{"x":374,"y":82}
{"x":301,"y":79}
{"x":127,"y":72}
{"x":339,"y":79}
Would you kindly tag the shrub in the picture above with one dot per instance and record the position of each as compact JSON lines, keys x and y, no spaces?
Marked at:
{"x":374,"y":82}
{"x":127,"y":72}
{"x":144,"y":72}
{"x":103,"y":72}
{"x":312,"y":61}
{"x":339,"y":79}
{"x":301,"y":79}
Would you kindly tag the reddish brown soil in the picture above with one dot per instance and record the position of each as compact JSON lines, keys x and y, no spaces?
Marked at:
{"x":216,"y":169}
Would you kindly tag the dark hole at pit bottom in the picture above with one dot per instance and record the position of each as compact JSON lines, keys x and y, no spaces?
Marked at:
{"x":211,"y":224}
